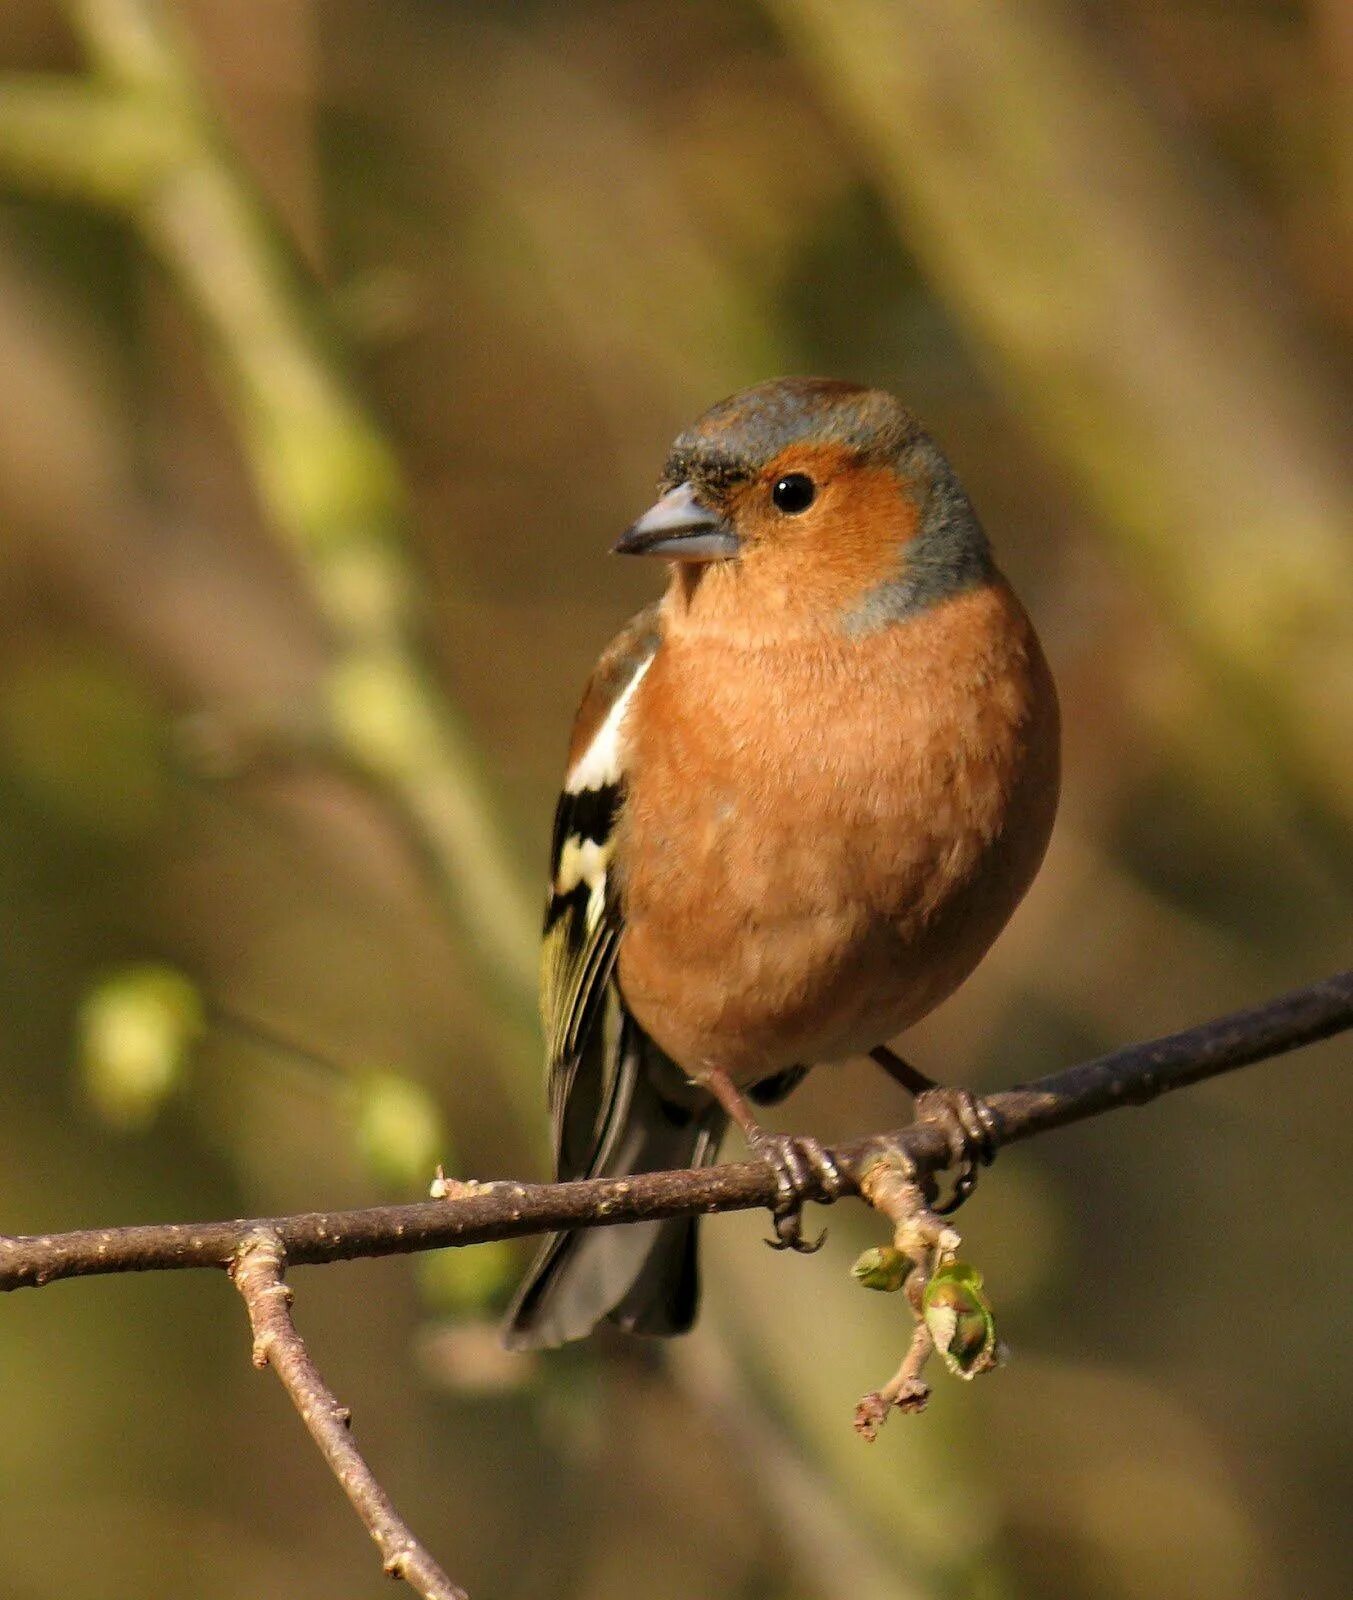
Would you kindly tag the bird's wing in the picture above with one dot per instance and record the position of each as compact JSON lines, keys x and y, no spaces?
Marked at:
{"x":583,"y":920}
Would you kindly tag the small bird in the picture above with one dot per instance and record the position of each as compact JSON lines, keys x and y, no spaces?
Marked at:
{"x":805,"y":791}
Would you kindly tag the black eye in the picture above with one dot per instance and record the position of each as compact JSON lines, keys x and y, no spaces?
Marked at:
{"x":793,"y":493}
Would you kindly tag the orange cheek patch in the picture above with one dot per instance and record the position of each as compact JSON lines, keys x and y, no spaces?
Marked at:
{"x":852,"y":537}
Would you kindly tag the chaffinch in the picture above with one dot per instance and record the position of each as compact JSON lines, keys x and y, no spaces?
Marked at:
{"x":805,"y":791}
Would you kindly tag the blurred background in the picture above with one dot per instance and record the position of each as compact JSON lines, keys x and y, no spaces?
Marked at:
{"x":339,"y":339}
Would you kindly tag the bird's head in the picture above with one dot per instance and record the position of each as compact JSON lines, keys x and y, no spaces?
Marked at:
{"x":815,"y":497}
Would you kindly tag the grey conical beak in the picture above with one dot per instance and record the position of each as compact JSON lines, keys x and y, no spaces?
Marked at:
{"x":681,"y":529}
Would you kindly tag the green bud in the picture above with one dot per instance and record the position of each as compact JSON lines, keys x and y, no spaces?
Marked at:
{"x":137,"y":1029}
{"x":959,"y":1317}
{"x":882,"y":1267}
{"x":399,"y":1129}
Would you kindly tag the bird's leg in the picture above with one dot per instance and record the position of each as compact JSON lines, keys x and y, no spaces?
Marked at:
{"x":900,"y":1071}
{"x":965,"y":1117}
{"x":804,"y":1170}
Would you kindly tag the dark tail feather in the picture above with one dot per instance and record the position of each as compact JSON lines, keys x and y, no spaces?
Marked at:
{"x":642,"y":1276}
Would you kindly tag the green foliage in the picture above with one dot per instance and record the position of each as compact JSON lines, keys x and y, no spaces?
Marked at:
{"x":469,"y":1281}
{"x":882,"y":1267}
{"x":399,"y":1129}
{"x":959,"y":1317}
{"x":137,"y":1031}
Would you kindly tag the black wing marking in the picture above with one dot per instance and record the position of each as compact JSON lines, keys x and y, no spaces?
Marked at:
{"x":583,"y":920}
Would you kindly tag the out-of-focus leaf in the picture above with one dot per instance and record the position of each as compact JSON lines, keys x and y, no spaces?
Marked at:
{"x":474,"y":1279}
{"x":137,"y":1031}
{"x":399,"y":1129}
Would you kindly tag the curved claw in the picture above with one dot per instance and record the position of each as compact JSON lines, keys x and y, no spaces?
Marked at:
{"x":970,"y":1126}
{"x":964,"y":1185}
{"x":804,"y":1170}
{"x":789,"y":1235}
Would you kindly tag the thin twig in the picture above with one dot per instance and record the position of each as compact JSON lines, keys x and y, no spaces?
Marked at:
{"x":906,"y":1390}
{"x":475,"y":1212}
{"x":255,"y":1252}
{"x":257,"y":1274}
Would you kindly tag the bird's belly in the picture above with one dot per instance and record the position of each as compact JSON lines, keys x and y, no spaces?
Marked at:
{"x":794,"y":950}
{"x":832,"y":877}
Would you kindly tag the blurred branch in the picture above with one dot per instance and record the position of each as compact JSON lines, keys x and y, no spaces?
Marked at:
{"x":472,"y":1213}
{"x":257,"y":1274}
{"x":1128,"y":316}
{"x":141,"y":138}
{"x":600,"y":256}
{"x":255,"y":1252}
{"x":815,"y":1517}
{"x":81,"y":141}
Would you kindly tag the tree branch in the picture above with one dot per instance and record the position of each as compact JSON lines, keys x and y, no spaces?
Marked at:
{"x":79,"y":140}
{"x":255,"y":1252}
{"x":257,"y":1274}
{"x":472,"y":1213}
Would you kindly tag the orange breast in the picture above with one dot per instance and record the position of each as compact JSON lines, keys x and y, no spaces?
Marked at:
{"x":823,"y":835}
